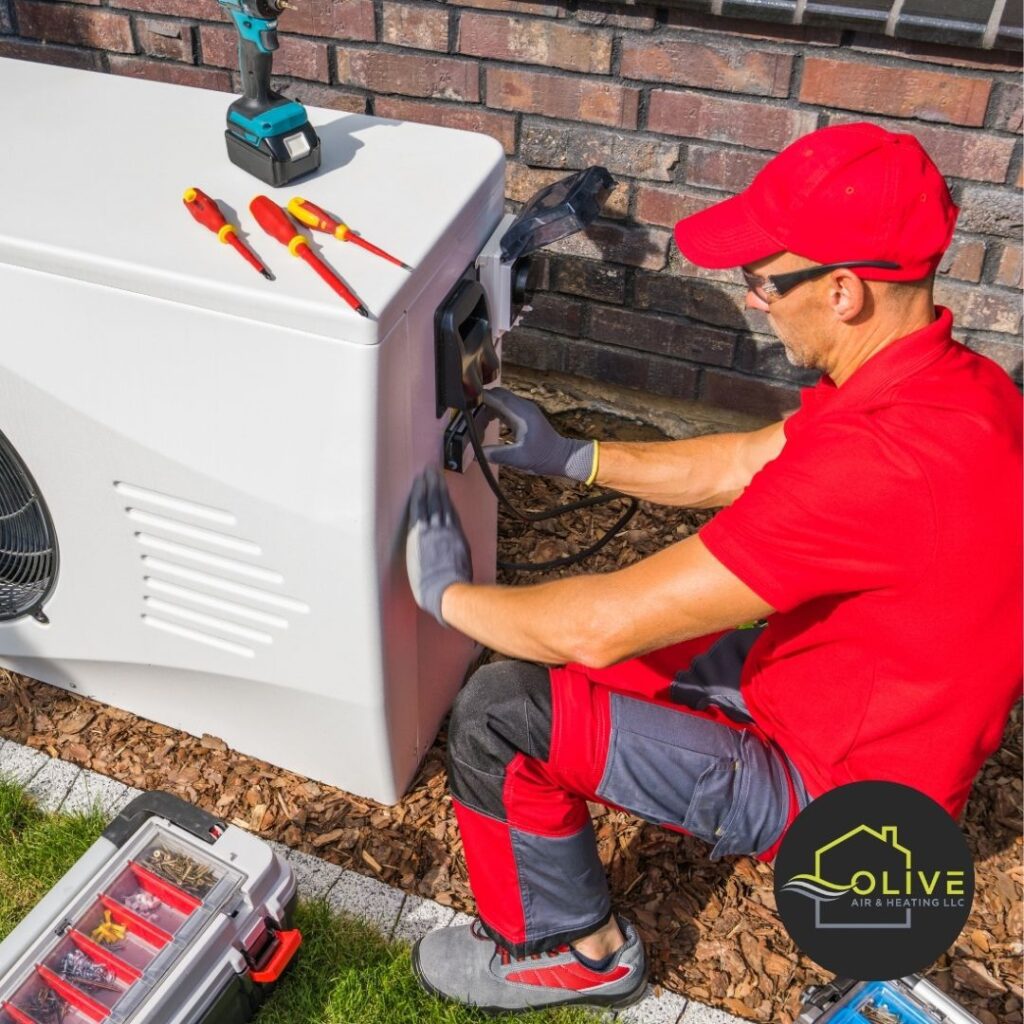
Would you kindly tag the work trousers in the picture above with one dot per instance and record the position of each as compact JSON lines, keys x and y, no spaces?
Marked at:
{"x":666,"y":736}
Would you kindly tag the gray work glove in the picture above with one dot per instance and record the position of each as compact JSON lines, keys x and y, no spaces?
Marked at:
{"x":436,"y":551}
{"x":538,"y":448}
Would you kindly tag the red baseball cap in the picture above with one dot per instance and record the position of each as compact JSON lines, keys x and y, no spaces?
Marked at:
{"x":847,"y":192}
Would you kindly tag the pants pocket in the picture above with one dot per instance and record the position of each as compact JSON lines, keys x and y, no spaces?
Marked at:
{"x":671,"y":768}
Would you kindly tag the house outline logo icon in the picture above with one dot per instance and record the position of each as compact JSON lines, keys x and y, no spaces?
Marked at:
{"x":874,"y":879}
{"x":823,"y":891}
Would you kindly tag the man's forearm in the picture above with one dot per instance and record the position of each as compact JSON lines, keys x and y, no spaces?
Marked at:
{"x":699,"y":472}
{"x":679,"y":593}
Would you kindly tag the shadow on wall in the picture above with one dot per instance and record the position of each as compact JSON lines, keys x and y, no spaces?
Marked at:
{"x":681,"y":332}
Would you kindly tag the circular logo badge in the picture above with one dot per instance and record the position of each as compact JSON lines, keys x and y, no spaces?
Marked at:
{"x":874,"y":880}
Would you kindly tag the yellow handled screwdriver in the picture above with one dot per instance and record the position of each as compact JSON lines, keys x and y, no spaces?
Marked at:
{"x":313,"y":217}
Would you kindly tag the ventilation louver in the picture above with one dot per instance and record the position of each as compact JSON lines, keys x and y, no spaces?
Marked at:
{"x":28,"y":544}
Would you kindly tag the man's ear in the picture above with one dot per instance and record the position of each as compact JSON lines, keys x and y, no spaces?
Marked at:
{"x":846,"y":295}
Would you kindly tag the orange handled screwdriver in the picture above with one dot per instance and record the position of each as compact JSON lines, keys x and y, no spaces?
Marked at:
{"x":275,"y":222}
{"x":207,"y":212}
{"x":312,"y":216}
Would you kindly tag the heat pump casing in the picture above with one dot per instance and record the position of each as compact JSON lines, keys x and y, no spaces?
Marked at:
{"x":227,"y":460}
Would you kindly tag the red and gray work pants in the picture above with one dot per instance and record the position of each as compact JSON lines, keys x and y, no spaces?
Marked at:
{"x":666,"y":736}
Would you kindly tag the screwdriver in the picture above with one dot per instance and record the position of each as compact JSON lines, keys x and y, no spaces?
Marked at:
{"x":207,"y":212}
{"x":312,"y":216}
{"x":275,"y":222}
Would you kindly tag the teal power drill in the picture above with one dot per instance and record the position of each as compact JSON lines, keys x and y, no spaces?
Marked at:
{"x":268,"y":134}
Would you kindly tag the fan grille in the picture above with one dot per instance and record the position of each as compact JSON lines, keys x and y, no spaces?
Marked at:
{"x":28,"y":544}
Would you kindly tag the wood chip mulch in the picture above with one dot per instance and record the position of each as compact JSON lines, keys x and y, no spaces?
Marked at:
{"x":711,"y":929}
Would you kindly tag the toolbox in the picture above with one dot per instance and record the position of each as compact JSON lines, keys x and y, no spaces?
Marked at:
{"x":170,"y":917}
{"x":910,"y":1000}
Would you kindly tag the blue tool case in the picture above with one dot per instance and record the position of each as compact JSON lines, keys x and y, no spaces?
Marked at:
{"x":910,"y":1000}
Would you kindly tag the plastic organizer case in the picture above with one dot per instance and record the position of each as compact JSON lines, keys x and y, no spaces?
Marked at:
{"x":910,"y":1000}
{"x":157,"y":923}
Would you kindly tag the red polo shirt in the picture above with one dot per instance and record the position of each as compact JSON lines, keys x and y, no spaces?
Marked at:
{"x":887,"y":536}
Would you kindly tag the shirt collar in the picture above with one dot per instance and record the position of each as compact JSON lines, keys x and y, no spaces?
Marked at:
{"x":898,"y":360}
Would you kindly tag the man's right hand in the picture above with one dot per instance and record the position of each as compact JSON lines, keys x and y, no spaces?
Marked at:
{"x":536,"y":447}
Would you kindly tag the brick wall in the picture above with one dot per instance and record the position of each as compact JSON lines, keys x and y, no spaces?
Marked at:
{"x":682,"y":107}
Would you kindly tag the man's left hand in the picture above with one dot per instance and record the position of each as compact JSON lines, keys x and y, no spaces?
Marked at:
{"x":436,"y":551}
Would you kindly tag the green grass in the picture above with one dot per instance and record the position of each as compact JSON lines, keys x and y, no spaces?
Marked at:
{"x":345,"y":973}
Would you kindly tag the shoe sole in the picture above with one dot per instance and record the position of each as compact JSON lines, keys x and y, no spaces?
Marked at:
{"x":598,"y":1002}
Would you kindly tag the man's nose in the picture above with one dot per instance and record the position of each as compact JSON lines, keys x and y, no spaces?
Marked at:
{"x":754,"y":301}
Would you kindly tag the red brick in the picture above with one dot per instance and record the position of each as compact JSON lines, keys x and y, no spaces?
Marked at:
{"x":339,"y":19}
{"x":958,"y":152}
{"x":521,"y":182}
{"x":603,"y":363}
{"x":299,"y":58}
{"x":313,"y":95}
{"x":590,"y":279}
{"x":748,"y":394}
{"x":18,"y":49}
{"x":564,"y":97}
{"x":729,"y":68}
{"x":985,"y":210}
{"x":628,"y":245}
{"x":964,"y":260}
{"x":731,"y":170}
{"x":664,"y":206}
{"x":636,"y":18}
{"x":1006,"y":111}
{"x":937,"y":53}
{"x":707,"y":301}
{"x":1009,"y":270}
{"x":715,"y":119}
{"x":555,"y":313}
{"x":544,"y":10}
{"x":79,"y":26}
{"x":982,"y":309}
{"x":545,"y":144}
{"x":176,"y":74}
{"x":425,"y":28}
{"x":468,"y":119}
{"x":533,"y":41}
{"x":204,"y":10}
{"x":757,"y":30}
{"x":442,"y":78}
{"x":901,"y":92}
{"x":170,"y":39}
{"x":661,"y":335}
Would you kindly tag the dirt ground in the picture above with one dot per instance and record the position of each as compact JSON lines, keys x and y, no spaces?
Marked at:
{"x":711,"y":929}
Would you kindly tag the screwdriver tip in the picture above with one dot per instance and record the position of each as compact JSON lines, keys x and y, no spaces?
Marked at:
{"x":405,"y":266}
{"x":362,"y":311}
{"x":267,"y":274}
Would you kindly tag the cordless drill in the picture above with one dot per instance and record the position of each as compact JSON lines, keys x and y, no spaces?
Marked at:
{"x":268,"y":134}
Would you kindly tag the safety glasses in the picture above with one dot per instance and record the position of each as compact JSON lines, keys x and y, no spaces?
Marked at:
{"x":776,"y":285}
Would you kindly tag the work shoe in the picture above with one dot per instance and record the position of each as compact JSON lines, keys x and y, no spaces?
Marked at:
{"x":464,"y":964}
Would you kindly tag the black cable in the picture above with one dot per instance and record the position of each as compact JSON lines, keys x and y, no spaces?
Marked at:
{"x":558,"y":510}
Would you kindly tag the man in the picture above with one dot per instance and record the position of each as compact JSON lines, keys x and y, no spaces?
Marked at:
{"x":877,"y":530}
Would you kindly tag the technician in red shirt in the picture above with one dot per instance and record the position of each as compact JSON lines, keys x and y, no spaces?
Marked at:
{"x":876,"y":530}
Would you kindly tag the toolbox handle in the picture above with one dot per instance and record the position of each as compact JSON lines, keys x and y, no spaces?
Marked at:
{"x":193,"y":820}
{"x":287,"y":945}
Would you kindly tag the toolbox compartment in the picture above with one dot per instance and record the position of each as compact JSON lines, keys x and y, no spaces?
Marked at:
{"x":155,"y":925}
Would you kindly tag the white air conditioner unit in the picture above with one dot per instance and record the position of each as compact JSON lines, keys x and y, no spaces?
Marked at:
{"x":203,"y":474}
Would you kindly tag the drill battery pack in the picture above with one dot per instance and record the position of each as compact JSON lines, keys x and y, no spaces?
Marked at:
{"x":170,"y":917}
{"x":910,"y":1000}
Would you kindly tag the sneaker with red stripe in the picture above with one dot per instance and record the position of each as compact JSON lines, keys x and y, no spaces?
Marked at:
{"x":465,"y":965}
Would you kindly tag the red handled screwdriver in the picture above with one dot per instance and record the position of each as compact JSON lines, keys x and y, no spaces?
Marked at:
{"x":312,"y":216}
{"x":275,"y":222}
{"x":207,"y":212}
